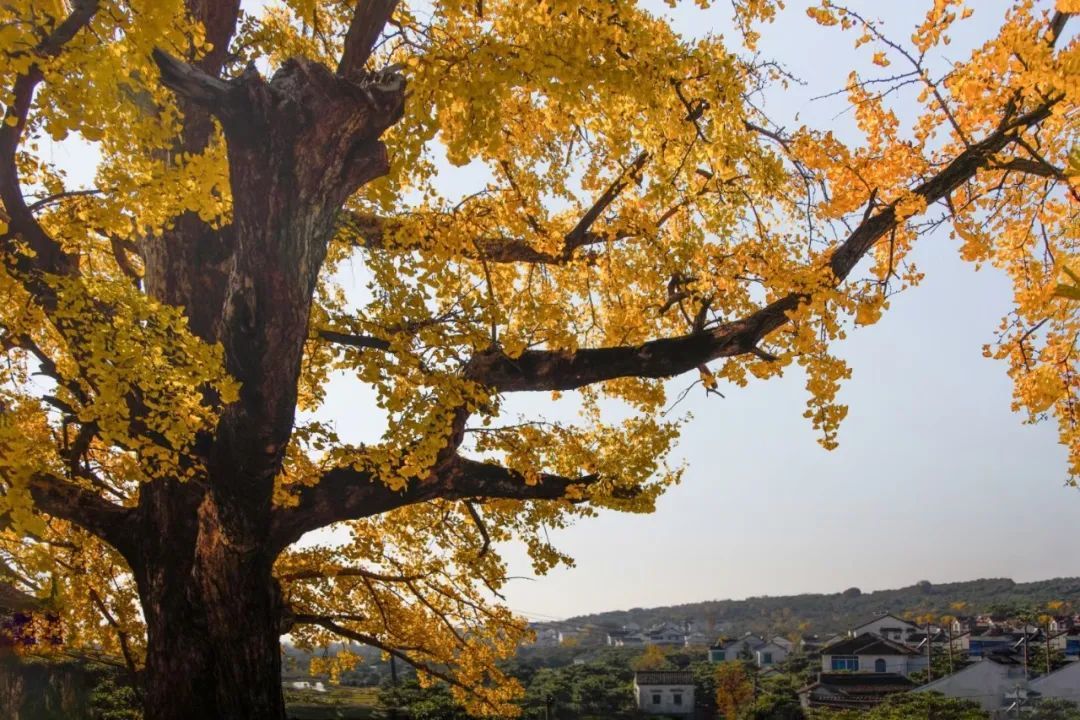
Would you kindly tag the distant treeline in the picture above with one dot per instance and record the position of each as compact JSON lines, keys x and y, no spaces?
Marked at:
{"x":837,"y":612}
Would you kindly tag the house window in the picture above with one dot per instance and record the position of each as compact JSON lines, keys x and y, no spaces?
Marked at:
{"x":879,"y":665}
{"x":656,"y":698}
{"x":845,"y":662}
{"x":766,"y":658}
{"x":676,"y":698}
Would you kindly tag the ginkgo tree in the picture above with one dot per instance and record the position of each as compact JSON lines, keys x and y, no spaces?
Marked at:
{"x":170,"y":331}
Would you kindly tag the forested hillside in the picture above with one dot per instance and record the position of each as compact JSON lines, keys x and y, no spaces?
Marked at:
{"x":828,"y":613}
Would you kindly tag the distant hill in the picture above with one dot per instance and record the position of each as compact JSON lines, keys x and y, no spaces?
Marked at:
{"x":826,"y":614}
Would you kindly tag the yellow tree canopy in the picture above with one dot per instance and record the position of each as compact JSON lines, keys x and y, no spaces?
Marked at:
{"x":170,"y":332}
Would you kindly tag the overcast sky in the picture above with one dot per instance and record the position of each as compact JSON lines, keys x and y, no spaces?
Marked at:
{"x":934,"y":478}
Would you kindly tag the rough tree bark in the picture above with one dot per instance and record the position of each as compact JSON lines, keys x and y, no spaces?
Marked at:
{"x":298,"y":146}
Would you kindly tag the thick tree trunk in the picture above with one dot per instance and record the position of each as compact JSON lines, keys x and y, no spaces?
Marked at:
{"x":213,"y":614}
{"x":298,"y":146}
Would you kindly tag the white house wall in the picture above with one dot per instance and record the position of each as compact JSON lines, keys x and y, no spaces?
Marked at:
{"x":779,"y":654}
{"x":875,"y":626}
{"x":900,"y":664}
{"x":667,"y":702}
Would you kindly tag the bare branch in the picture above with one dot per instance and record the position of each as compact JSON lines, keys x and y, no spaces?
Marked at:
{"x":479,"y":522}
{"x":122,"y":637}
{"x":578,"y":236}
{"x":356,"y":341}
{"x":1031,"y":166}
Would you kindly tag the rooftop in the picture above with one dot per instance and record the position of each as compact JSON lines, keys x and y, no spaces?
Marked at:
{"x":868,"y":644}
{"x":663,"y":677}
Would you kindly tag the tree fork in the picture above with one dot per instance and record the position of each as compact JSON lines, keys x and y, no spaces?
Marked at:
{"x":298,"y":146}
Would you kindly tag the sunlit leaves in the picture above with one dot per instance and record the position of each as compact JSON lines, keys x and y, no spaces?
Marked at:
{"x":619,"y":186}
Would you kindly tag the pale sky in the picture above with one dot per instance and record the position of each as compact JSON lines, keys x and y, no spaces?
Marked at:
{"x":935,"y":478}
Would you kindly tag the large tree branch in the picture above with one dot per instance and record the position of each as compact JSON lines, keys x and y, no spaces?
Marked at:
{"x":348,"y":494}
{"x":666,"y":357}
{"x":218,"y":19}
{"x":368,"y":20}
{"x":49,"y":256}
{"x":336,"y":572}
{"x":371,"y":231}
{"x":64,"y":500}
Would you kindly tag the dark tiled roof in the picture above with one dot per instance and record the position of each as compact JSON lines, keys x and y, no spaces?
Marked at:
{"x":1002,"y":657}
{"x":868,"y":644}
{"x":854,"y":690}
{"x":751,"y":641}
{"x":663,"y":677}
{"x":882,"y":617}
{"x":859,"y":682}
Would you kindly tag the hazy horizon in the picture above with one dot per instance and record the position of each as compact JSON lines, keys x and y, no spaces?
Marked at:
{"x":863,"y":590}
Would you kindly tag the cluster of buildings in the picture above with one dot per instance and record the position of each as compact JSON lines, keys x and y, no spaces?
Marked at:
{"x":992,"y":661}
{"x":664,"y":634}
{"x":669,"y":635}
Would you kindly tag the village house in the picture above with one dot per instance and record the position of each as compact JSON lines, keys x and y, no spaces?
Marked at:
{"x":992,"y":684}
{"x":570,"y":636}
{"x":546,"y":637}
{"x":697,"y":639}
{"x":992,"y":639}
{"x":1063,"y":684}
{"x":664,"y":692}
{"x":783,"y":642}
{"x":665,"y":635}
{"x":1065,"y":624}
{"x":868,"y":653}
{"x":852,"y":691}
{"x":937,"y":638}
{"x":887,"y":626}
{"x":1067,"y":643}
{"x":811,"y":644}
{"x":963,"y":624}
{"x":726,"y":650}
{"x":769,"y":654}
{"x":623,"y":638}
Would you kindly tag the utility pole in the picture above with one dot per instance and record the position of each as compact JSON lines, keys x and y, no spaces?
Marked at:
{"x":1026,"y":676}
{"x":1046,"y":637}
{"x":929,"y":654}
{"x":950,"y":635}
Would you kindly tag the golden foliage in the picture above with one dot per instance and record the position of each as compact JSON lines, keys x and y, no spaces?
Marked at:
{"x":699,"y":210}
